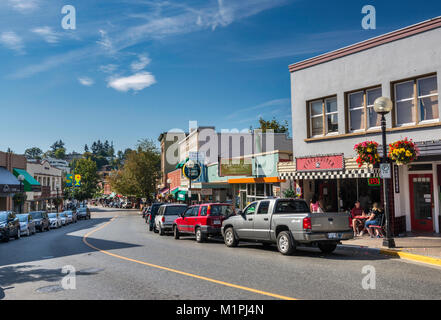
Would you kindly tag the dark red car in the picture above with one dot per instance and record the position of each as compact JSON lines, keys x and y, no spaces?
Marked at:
{"x":202,"y":221}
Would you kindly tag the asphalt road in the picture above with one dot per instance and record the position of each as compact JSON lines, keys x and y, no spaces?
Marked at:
{"x":133,"y":263}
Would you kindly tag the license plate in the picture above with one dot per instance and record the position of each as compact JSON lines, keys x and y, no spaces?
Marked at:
{"x":216,"y":221}
{"x":334,"y":235}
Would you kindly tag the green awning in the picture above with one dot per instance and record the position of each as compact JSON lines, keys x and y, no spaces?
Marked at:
{"x":174,"y":191}
{"x":182,"y":195}
{"x":181,"y":164}
{"x":29,"y":183}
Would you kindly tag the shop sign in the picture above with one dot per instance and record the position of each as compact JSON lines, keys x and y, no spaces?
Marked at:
{"x":396,"y":179}
{"x":235,"y":167}
{"x":374,"y":182}
{"x":193,"y":173}
{"x":385,"y":171}
{"x":206,"y":192}
{"x":320,"y":163}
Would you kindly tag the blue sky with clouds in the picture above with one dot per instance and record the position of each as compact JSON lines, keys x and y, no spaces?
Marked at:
{"x":135,"y":68}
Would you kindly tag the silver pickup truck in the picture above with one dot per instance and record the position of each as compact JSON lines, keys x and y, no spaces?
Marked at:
{"x":287,"y":222}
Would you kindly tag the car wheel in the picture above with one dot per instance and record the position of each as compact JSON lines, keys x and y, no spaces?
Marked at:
{"x":6,"y":238}
{"x":18,"y":235}
{"x":230,"y":238}
{"x":176,"y":232}
{"x":155,"y":230}
{"x":327,"y":247}
{"x":200,"y":237}
{"x":285,"y":243}
{"x":28,"y":233}
{"x":150,"y":227}
{"x":161,"y":231}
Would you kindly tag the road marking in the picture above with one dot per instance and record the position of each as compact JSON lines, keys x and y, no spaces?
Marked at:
{"x":232,"y":285}
{"x":412,"y":257}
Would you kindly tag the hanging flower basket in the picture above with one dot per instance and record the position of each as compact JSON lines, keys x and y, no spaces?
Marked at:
{"x":367,"y":153}
{"x":403,"y":151}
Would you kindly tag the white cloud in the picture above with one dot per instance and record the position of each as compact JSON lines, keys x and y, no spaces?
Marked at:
{"x":86,"y":81}
{"x":109,"y":68}
{"x":12,"y":41}
{"x":136,"y":82}
{"x":143,"y":61}
{"x":24,"y":5}
{"x":105,"y":41}
{"x":47,"y":33}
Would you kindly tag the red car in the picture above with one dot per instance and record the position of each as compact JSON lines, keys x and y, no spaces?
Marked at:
{"x":202,"y":220}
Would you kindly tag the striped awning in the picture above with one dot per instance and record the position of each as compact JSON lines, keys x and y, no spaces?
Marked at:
{"x":340,"y":174}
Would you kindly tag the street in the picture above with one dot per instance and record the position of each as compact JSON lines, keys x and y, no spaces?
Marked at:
{"x":134,"y":263}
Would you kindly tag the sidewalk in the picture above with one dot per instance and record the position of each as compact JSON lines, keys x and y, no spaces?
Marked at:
{"x":413,"y":247}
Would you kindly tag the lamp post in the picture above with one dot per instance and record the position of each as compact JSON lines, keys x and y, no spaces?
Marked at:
{"x":383,"y":106}
{"x":169,"y":181}
{"x":21,"y":179}
{"x":57,"y":186}
{"x":190,"y":165}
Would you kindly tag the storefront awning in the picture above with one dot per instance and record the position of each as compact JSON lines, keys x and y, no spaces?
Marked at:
{"x":29,"y":183}
{"x":257,"y":180}
{"x":181,"y":164}
{"x":181,"y":195}
{"x":340,"y":174}
{"x":8,"y":182}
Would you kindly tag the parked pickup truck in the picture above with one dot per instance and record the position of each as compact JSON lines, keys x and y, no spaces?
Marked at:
{"x":287,"y":222}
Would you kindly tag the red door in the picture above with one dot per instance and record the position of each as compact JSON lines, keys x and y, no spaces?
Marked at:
{"x":421,"y":202}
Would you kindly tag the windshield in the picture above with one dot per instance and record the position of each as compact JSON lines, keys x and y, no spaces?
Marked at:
{"x":69,"y":213}
{"x":3,"y":216}
{"x":36,"y":215}
{"x":52,"y":215}
{"x":219,"y":210}
{"x":174,"y":210}
{"x":291,"y":206}
{"x":23,"y":218}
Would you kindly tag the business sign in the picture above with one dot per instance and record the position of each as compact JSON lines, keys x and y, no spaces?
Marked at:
{"x":77,"y":182}
{"x":397,"y":179}
{"x":385,"y":171}
{"x":193,"y":173}
{"x":374,"y":182}
{"x":320,"y":163}
{"x":197,"y":156}
{"x":236,"y":167}
{"x":69,"y":180}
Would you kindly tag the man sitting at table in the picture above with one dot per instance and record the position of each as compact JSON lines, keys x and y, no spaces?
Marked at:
{"x":356,"y":211}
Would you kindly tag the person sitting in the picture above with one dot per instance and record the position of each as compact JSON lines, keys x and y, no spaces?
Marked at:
{"x":314,"y":205}
{"x":374,"y":218}
{"x":357,"y":210}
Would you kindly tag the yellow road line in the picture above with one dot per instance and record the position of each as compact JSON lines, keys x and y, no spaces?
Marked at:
{"x":412,"y":257}
{"x":232,"y":285}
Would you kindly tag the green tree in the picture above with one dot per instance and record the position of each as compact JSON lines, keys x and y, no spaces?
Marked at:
{"x":60,"y":153}
{"x":33,"y":153}
{"x":273,"y":125}
{"x":141,"y":170}
{"x":87,"y":168}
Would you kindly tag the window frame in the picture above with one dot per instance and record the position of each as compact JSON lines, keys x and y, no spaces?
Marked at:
{"x":416,"y":100}
{"x":324,"y":116}
{"x":365,"y":109}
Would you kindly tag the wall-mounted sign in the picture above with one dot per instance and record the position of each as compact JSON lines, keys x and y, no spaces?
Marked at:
{"x":235,"y":167}
{"x":396,"y":179}
{"x":385,"y":171}
{"x":374,"y":182}
{"x":320,"y":163}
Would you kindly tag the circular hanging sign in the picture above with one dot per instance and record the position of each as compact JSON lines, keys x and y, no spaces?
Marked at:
{"x":193,"y":173}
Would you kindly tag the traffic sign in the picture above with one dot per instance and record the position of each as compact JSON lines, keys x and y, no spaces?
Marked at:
{"x":385,"y":171}
{"x":77,"y":180}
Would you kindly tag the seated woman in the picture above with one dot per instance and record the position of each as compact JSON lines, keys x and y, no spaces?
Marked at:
{"x":357,"y":210}
{"x":374,"y":218}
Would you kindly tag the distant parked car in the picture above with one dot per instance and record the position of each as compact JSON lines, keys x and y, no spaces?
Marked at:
{"x":54,"y":220}
{"x":41,"y":220}
{"x":9,"y":226}
{"x":127,"y":205}
{"x":27,"y":224}
{"x":166,"y":216}
{"x":202,"y":221}
{"x":83,"y":213}
{"x":71,"y":216}
{"x":63,"y":217}
{"x":150,"y":217}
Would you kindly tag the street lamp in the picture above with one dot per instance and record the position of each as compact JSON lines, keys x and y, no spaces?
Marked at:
{"x":169,"y":181}
{"x":383,"y":106}
{"x":21,"y":179}
{"x":190,"y":165}
{"x":57,"y":186}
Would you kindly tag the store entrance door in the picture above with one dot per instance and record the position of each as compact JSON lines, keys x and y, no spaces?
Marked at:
{"x":421,"y":202}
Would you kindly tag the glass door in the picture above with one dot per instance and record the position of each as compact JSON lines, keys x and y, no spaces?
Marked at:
{"x":421,"y":202}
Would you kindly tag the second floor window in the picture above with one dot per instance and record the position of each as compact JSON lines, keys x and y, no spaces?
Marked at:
{"x":362,"y":115}
{"x":323,"y":116}
{"x":416,"y":101}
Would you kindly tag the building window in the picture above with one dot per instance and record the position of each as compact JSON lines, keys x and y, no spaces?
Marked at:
{"x":323,"y":117}
{"x":360,"y":104}
{"x":416,"y":101}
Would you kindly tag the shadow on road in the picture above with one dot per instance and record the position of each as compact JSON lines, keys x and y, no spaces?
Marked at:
{"x":55,"y":244}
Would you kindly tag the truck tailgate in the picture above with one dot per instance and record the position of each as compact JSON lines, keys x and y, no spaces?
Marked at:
{"x":329,"y":222}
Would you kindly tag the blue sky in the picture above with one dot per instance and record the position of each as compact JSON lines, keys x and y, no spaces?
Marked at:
{"x":135,"y":68}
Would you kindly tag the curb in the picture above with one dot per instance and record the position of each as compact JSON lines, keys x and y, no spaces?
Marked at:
{"x":397,"y":254}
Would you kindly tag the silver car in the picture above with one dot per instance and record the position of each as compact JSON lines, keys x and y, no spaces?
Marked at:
{"x":166,"y":216}
{"x":63,"y":217}
{"x":54,"y":220}
{"x":27,"y":224}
